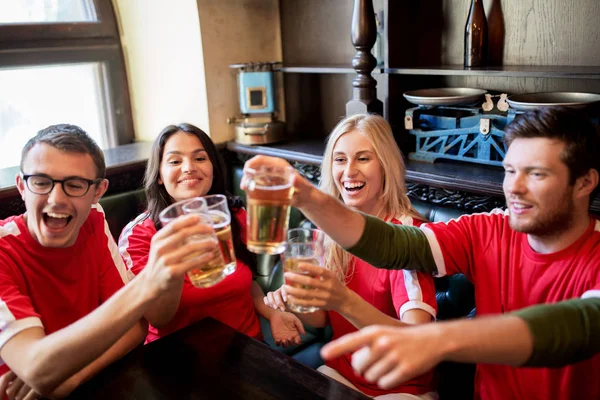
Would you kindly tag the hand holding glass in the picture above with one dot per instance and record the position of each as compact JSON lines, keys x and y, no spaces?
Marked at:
{"x":212,"y":271}
{"x":269,"y":191}
{"x":302,"y":246}
{"x":216,"y":207}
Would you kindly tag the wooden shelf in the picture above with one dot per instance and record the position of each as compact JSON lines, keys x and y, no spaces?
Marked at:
{"x":532,"y":71}
{"x":456,"y":176}
{"x":324,"y":69}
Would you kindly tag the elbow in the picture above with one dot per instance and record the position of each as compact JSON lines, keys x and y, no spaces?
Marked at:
{"x":41,"y":379}
{"x":157,"y":321}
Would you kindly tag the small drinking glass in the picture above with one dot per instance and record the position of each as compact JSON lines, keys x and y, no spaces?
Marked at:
{"x":211,"y":271}
{"x":303,"y":246}
{"x":216,"y":207}
{"x":269,"y":194}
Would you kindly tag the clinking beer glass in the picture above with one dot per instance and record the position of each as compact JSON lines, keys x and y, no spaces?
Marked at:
{"x":303,"y":246}
{"x":216,"y":207}
{"x":269,"y":194}
{"x":211,"y":271}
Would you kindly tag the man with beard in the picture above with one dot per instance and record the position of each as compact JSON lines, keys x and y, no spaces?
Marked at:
{"x":543,"y":249}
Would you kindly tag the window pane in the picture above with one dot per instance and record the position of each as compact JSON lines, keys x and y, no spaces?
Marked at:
{"x":40,"y":11}
{"x":34,"y":97}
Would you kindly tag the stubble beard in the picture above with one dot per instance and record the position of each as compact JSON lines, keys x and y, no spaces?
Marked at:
{"x":551,"y":224}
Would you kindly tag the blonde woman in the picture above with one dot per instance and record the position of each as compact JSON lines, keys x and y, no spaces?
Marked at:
{"x":363,"y":167}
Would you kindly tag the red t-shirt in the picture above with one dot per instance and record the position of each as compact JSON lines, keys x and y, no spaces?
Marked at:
{"x":229,"y":301}
{"x":54,"y":287}
{"x":509,"y":275}
{"x":393,"y":293}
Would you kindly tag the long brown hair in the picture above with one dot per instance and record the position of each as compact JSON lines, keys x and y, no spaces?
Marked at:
{"x":396,"y":203}
{"x":158,"y":198}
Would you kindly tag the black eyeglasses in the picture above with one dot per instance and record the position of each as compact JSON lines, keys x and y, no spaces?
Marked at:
{"x":73,"y":187}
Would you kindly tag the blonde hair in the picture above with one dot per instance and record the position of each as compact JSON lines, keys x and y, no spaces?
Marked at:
{"x":395,"y":201}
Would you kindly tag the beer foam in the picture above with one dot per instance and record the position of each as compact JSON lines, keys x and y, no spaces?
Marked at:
{"x":273,"y":188}
{"x":223,"y":219}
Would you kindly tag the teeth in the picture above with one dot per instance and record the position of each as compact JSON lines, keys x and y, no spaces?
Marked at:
{"x":56,"y":215}
{"x":188,"y":180}
{"x":353,"y":185}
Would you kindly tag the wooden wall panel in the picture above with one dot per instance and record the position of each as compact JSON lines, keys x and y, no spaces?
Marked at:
{"x":548,"y":32}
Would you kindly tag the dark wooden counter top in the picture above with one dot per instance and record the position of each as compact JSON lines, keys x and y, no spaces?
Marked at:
{"x":209,"y":360}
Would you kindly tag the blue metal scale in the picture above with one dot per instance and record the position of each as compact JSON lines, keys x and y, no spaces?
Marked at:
{"x":457,"y":133}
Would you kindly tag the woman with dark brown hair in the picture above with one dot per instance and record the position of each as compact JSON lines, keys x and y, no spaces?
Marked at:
{"x":185,"y":164}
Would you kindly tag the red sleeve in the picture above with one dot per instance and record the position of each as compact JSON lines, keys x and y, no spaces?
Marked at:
{"x":134,"y":243}
{"x":16,"y":310}
{"x":453,"y":243}
{"x":111,"y":268}
{"x":410,"y":289}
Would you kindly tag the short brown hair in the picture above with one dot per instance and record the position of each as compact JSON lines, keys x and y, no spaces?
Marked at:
{"x":69,"y":138}
{"x":572,"y":127}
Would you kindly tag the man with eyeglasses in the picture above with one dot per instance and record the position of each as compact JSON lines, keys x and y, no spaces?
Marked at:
{"x":64,"y":310}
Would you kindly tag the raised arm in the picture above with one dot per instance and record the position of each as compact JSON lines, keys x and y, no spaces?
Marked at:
{"x":134,"y":246}
{"x":33,"y":356}
{"x":379,"y":243}
{"x":342,"y":224}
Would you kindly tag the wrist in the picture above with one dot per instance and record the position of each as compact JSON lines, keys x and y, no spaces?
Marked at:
{"x":267,"y":312}
{"x":144,"y":291}
{"x":447,"y":339}
{"x":349,"y":302}
{"x":314,"y":200}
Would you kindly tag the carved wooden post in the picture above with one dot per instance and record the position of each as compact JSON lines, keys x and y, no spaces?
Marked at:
{"x":364,"y":34}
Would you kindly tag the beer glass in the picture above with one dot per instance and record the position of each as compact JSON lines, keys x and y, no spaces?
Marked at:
{"x":209,"y":272}
{"x":217,"y":208}
{"x":269,"y":194}
{"x":303,"y":246}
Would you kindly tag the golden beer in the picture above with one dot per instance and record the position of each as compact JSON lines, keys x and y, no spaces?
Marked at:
{"x":291,"y":265}
{"x":268,"y":214}
{"x":222,"y":227}
{"x":209,"y":272}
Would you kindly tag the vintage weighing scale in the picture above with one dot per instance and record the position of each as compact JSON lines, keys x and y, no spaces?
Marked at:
{"x":257,"y":100}
{"x":457,"y":124}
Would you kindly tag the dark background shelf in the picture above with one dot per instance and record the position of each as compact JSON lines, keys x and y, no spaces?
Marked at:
{"x":531,"y":71}
{"x":323,"y":69}
{"x":457,"y":176}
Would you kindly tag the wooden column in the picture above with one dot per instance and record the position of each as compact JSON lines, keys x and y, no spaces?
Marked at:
{"x":364,"y":33}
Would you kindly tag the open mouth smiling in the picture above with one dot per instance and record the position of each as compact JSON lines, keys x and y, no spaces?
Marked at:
{"x":353,"y":186}
{"x":55,"y":220}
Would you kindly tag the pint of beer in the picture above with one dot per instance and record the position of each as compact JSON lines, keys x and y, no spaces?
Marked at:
{"x":303,"y":246}
{"x":269,"y":194}
{"x":209,"y":272}
{"x":217,"y":208}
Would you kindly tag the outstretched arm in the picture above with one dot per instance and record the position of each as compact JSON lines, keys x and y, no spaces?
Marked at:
{"x":380,"y":244}
{"x":342,"y":224}
{"x":390,"y":356}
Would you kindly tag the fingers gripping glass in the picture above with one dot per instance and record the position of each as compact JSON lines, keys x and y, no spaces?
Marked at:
{"x":73,"y":187}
